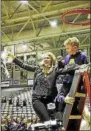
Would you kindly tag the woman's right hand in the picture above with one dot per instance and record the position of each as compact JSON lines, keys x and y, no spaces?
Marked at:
{"x":10,"y":55}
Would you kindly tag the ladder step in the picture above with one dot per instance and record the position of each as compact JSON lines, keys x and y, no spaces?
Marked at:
{"x":80,"y":94}
{"x":75,"y":117}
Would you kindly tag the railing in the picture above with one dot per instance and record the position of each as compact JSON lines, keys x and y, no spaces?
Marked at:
{"x":16,"y":83}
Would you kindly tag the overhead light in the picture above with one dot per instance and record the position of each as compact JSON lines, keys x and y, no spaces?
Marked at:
{"x":24,"y":46}
{"x":24,"y":1}
{"x":53,"y":23}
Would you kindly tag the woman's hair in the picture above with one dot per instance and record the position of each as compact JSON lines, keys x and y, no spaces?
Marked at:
{"x":72,"y":41}
{"x":53,"y":58}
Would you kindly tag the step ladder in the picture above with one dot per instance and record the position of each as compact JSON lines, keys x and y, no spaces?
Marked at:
{"x":72,"y":117}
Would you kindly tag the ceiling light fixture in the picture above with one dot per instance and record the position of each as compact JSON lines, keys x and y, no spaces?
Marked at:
{"x":53,"y":23}
{"x":24,"y":46}
{"x":23,"y":2}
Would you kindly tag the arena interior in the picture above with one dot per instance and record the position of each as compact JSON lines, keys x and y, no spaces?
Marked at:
{"x":28,"y":30}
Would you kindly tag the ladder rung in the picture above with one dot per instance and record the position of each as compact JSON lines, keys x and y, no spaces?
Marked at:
{"x":75,"y":117}
{"x":80,"y":95}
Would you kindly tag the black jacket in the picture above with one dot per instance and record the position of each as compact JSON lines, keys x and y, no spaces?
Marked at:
{"x":44,"y":86}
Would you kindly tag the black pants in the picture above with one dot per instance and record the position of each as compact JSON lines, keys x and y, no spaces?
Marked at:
{"x":40,"y":107}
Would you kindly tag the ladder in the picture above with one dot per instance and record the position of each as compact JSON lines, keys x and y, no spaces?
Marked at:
{"x":73,"y":113}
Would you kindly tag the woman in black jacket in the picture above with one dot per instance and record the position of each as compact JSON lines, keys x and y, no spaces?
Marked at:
{"x":44,"y":88}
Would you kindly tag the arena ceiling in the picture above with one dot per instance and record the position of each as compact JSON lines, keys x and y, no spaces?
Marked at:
{"x":29,"y":22}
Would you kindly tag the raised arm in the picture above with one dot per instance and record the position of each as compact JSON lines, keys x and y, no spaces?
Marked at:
{"x":21,"y":64}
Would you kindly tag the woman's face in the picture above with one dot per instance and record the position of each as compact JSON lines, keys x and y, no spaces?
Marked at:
{"x":47,"y":61}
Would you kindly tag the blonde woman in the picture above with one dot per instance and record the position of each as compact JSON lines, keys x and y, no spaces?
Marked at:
{"x":44,"y":88}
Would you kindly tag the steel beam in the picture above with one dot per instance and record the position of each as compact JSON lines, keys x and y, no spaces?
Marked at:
{"x":15,"y":11}
{"x":6,"y":36}
{"x":5,"y":8}
{"x":47,"y":36}
{"x":46,"y":6}
{"x":23,"y":27}
{"x":76,"y":18}
{"x":33,"y":25}
{"x":85,"y":39}
{"x":39,"y":15}
{"x":38,"y":12}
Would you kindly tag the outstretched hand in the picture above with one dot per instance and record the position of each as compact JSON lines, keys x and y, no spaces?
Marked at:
{"x":10,"y":55}
{"x":5,"y":55}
